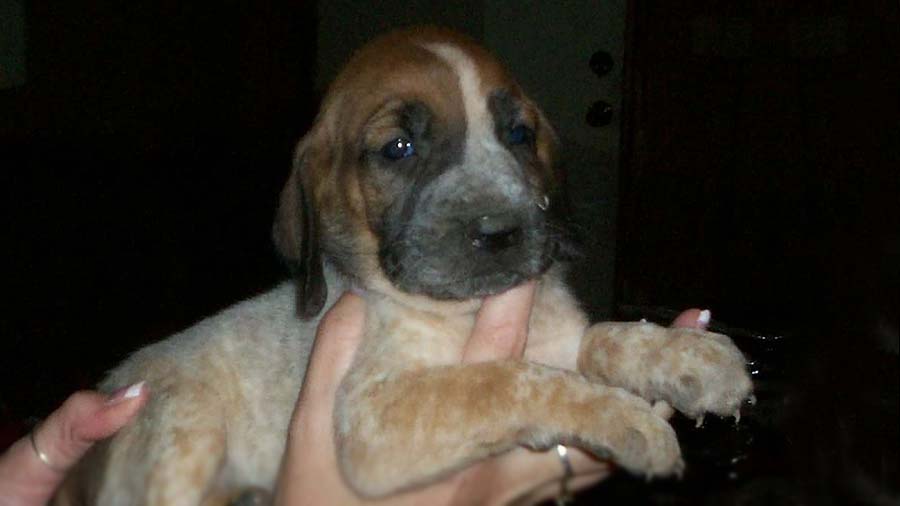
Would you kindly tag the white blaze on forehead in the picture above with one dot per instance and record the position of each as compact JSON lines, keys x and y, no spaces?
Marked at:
{"x":485,"y":158}
{"x":474,"y":101}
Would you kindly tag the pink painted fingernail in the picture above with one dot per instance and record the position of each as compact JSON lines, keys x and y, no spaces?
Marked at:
{"x":704,"y":318}
{"x":126,"y":393}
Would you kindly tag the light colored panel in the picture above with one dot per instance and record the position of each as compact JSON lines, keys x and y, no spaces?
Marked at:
{"x":12,"y":43}
{"x":548,"y":45}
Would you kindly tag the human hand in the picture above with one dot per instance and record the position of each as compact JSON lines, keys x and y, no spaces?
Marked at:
{"x":33,"y":467}
{"x":310,"y":473}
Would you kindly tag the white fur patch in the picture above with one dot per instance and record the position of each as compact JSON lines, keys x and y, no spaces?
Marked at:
{"x":474,"y":101}
{"x":486,"y":160}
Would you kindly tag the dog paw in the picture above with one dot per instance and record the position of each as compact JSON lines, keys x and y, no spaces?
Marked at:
{"x":702,"y":372}
{"x":694,"y":371}
{"x":637,"y":439}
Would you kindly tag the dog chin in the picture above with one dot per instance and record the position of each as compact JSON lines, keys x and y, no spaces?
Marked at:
{"x":460,"y":276}
{"x":471,"y":287}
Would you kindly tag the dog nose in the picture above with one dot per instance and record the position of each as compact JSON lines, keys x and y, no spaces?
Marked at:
{"x":495,"y":233}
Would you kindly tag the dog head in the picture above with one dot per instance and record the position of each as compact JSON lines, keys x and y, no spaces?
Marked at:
{"x":427,"y":173}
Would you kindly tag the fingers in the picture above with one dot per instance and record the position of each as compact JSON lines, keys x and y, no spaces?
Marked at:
{"x":501,"y":326}
{"x":693,"y":318}
{"x":84,"y":418}
{"x":529,"y":477}
{"x":31,"y":470}
{"x":309,"y":471}
{"x":337,"y":338}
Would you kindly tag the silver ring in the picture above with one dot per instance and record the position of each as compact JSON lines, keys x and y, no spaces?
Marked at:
{"x":565,"y":495}
{"x":544,"y":204}
{"x":41,"y":455}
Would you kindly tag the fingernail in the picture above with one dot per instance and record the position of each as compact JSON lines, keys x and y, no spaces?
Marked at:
{"x":704,"y":318}
{"x":126,"y":393}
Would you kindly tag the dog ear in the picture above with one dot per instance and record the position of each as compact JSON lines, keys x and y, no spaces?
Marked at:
{"x":569,"y":243}
{"x":296,"y":236}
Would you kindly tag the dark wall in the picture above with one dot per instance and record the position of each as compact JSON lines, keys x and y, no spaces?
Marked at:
{"x":141,"y":166}
{"x":761,"y":174}
{"x":760,"y":180}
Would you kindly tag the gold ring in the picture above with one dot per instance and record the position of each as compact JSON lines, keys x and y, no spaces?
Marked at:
{"x":41,"y":455}
{"x":565,"y":495}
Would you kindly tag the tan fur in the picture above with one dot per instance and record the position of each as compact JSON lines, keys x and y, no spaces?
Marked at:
{"x":408,"y":413}
{"x":695,"y":371}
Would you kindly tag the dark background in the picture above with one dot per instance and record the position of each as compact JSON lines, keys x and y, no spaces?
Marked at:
{"x":142,"y":160}
{"x":759,"y":179}
{"x":141,"y":166}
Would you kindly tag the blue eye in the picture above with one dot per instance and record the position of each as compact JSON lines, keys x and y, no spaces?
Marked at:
{"x":521,"y":134}
{"x":398,"y":148}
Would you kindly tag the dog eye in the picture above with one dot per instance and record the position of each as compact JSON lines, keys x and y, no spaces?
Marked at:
{"x":521,"y":134}
{"x":398,"y":148}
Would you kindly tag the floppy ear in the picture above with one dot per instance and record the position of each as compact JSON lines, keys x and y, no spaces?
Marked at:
{"x":548,"y":151}
{"x":297,"y":239}
{"x":569,"y":243}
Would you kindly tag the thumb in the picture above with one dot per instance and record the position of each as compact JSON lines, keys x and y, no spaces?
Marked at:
{"x":501,"y":325}
{"x":34,"y":466}
{"x":693,"y":318}
{"x":84,"y":418}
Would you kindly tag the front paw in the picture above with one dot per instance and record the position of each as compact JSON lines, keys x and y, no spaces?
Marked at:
{"x":693,"y":370}
{"x":702,"y":372}
{"x":637,"y":439}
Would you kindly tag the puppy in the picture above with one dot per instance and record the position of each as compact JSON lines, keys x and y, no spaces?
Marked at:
{"x":427,"y":182}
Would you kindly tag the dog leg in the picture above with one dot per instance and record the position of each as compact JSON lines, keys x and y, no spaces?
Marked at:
{"x":695,"y":371}
{"x":170,"y":455}
{"x":411,"y":427}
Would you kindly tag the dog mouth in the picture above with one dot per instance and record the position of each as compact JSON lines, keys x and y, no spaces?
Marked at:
{"x":447,"y":287}
{"x":475,"y":258}
{"x":481,"y":286}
